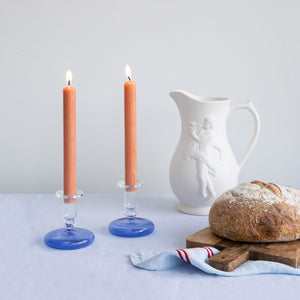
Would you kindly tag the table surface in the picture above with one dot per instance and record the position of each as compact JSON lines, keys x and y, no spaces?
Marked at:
{"x":31,"y":270}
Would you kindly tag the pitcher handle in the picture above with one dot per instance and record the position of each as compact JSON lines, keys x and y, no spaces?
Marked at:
{"x":249,"y":106}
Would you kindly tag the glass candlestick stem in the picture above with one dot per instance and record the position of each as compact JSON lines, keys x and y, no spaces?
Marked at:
{"x":70,"y":237}
{"x":130,"y":226}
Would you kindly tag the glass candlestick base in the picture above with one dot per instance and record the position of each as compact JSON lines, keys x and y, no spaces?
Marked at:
{"x":67,"y":239}
{"x":70,"y":237}
{"x":130,"y":226}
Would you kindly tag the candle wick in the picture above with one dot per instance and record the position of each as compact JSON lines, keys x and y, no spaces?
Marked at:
{"x":69,"y":82}
{"x":129,"y":78}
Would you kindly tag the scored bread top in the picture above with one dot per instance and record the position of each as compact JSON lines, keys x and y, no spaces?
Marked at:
{"x":268,"y":193}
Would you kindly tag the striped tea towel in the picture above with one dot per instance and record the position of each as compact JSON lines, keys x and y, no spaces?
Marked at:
{"x":198,"y":257}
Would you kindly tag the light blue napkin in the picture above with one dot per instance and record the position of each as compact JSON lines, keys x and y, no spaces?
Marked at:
{"x":198,"y":257}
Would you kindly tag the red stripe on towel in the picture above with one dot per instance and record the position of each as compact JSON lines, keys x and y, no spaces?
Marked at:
{"x":186,"y":255}
{"x":180,"y":254}
{"x":211,"y":252}
{"x":208,"y":252}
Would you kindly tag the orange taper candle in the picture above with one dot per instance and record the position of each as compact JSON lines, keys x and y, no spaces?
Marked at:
{"x":130,"y":131}
{"x":69,"y":93}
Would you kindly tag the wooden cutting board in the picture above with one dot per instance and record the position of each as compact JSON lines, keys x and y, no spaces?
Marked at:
{"x":233,"y":254}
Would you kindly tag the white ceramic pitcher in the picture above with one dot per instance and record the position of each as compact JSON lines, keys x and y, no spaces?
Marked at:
{"x":203,"y":165}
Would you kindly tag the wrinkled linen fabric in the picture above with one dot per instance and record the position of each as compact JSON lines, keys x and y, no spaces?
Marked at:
{"x":198,"y":257}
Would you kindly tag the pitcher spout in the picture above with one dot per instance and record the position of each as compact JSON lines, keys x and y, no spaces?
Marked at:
{"x":181,"y":96}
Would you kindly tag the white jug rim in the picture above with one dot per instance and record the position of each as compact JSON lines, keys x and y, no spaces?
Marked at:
{"x":206,"y":99}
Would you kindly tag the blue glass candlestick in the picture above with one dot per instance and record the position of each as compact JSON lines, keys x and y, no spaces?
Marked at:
{"x":131,"y":226}
{"x":70,"y":237}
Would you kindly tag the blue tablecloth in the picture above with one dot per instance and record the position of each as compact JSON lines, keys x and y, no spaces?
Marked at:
{"x":31,"y":270}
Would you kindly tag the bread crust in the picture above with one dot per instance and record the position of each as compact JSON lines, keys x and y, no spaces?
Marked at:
{"x":257,"y":212}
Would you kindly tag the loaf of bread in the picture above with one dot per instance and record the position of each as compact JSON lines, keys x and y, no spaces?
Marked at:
{"x":257,"y":212}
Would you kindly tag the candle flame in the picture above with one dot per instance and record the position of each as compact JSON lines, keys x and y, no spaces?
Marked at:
{"x":69,"y":77}
{"x":128,"y":72}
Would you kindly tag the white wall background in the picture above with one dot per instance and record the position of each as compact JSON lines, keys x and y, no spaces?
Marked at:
{"x":240,"y":49}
